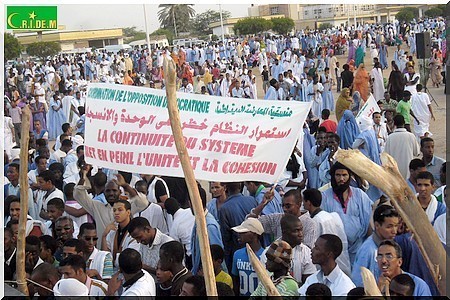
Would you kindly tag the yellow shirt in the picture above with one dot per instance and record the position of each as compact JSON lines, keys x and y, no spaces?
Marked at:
{"x":225,"y":278}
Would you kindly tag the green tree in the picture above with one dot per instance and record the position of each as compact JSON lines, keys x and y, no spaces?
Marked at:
{"x":251,"y":26}
{"x":131,"y":34}
{"x":445,"y":9}
{"x":406,"y":14}
{"x":169,"y":34}
{"x":175,"y":14}
{"x":434,"y":12}
{"x":43,"y":49}
{"x":282,"y":25}
{"x":200,"y":24}
{"x":325,"y":26}
{"x":12,"y":46}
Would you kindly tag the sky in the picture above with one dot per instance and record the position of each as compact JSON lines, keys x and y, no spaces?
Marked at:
{"x":99,"y":16}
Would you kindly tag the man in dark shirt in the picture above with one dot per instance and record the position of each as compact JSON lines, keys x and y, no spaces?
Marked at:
{"x":171,"y":256}
{"x":265,"y":78}
{"x":347,"y":77}
{"x":231,"y":214}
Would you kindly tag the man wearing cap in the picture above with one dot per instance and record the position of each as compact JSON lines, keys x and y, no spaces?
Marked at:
{"x":279,"y":257}
{"x":404,"y":109}
{"x":244,"y":276}
{"x":292,"y":233}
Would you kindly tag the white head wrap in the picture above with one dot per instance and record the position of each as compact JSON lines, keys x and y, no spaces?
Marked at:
{"x":70,"y":287}
{"x":364,"y":123}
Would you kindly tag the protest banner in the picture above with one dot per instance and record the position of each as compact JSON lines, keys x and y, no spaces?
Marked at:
{"x":228,"y":139}
{"x":368,"y":108}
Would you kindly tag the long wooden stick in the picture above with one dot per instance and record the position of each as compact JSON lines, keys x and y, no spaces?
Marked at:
{"x":391,"y":182}
{"x":23,"y":182}
{"x":262,"y":273}
{"x":200,"y":220}
{"x":370,"y":284}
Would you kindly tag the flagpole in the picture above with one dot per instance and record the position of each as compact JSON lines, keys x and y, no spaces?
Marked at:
{"x":147,"y":37}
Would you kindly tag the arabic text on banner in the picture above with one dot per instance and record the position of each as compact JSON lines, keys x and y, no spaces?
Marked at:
{"x":369,"y":108}
{"x":228,"y":139}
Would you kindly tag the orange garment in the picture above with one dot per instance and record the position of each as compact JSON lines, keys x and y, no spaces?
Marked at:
{"x":361,"y":83}
{"x":181,"y":57}
{"x":187,"y":74}
{"x":175,"y":58}
{"x":127,"y":80}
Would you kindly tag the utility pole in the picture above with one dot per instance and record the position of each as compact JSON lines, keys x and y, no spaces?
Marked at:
{"x":147,"y":37}
{"x":174,"y":22}
{"x":221,"y":22}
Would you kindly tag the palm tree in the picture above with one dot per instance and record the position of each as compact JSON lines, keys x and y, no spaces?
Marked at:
{"x":175,"y":17}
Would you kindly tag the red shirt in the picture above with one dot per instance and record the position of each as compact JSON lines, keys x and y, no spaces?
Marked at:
{"x":330,"y":125}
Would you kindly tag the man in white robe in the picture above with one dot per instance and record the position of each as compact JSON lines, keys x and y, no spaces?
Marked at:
{"x":402,"y":146}
{"x":421,"y":106}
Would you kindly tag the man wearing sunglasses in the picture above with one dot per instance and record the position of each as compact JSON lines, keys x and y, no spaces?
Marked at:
{"x":99,"y":263}
{"x":389,"y":258}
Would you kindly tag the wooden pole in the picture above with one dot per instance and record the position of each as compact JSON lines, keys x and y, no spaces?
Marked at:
{"x":23,"y":182}
{"x":200,"y":220}
{"x":262,"y":273}
{"x":370,"y":284}
{"x":391,"y":182}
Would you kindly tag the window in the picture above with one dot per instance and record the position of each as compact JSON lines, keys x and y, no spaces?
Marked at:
{"x":274,"y":10}
{"x":306,"y":12}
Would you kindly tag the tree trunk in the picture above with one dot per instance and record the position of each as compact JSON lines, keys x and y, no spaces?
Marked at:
{"x":200,"y":220}
{"x":23,"y":182}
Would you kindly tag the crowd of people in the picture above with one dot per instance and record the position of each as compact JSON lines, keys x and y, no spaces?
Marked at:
{"x":102,"y":232}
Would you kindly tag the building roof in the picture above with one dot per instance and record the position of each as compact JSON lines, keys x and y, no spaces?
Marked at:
{"x":68,"y":35}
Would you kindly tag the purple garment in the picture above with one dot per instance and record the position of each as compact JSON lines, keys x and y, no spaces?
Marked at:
{"x":142,"y":66}
{"x":351,"y":52}
{"x":38,"y":116}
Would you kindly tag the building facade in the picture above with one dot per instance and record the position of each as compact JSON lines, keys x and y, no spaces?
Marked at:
{"x":73,"y":39}
{"x":312,"y":15}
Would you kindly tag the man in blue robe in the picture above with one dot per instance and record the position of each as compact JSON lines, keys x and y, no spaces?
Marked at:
{"x":352,"y":204}
{"x":315,"y":158}
{"x":272,"y":91}
{"x":368,"y":144}
{"x":390,"y":260}
{"x":214,"y":235}
{"x":386,"y":221}
{"x":276,"y":69}
{"x":258,"y":190}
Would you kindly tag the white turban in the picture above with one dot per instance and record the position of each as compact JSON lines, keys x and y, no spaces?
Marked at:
{"x":364,"y":123}
{"x":70,"y":287}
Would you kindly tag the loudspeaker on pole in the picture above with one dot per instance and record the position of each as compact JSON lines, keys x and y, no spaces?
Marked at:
{"x":423,"y":45}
